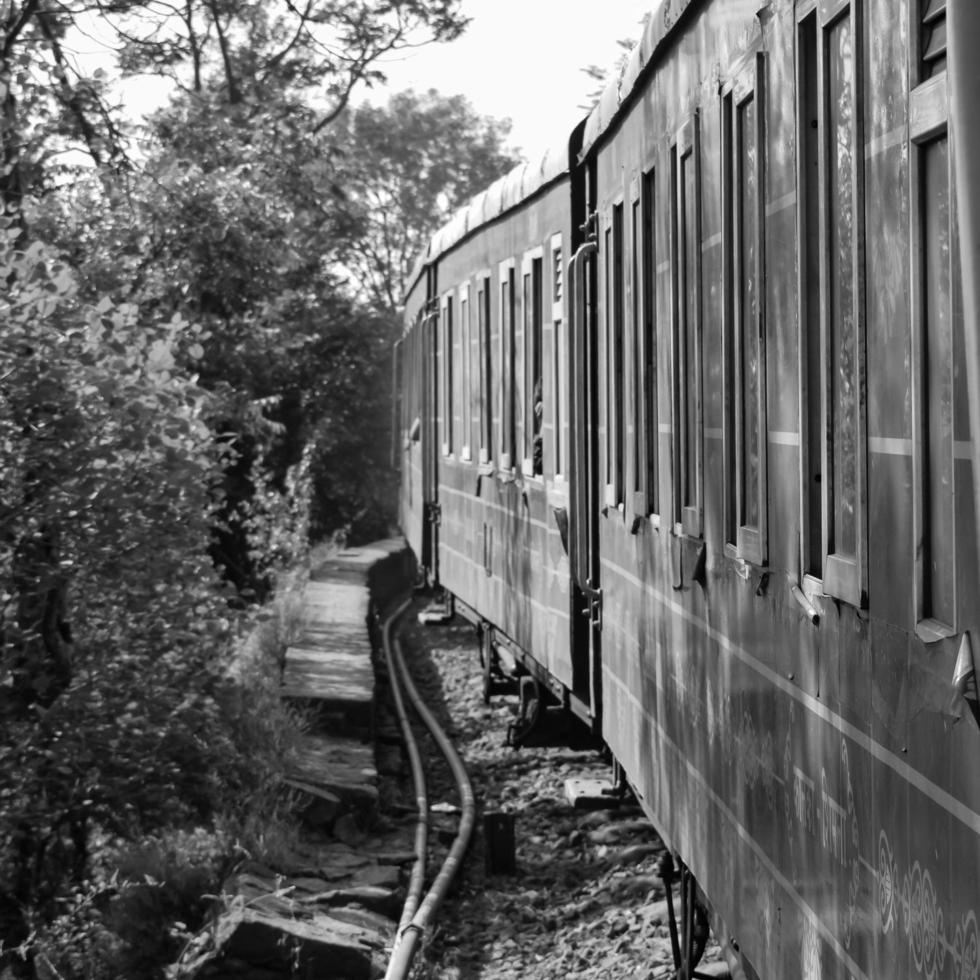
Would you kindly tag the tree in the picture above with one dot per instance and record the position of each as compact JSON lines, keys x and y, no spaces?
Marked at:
{"x":410,"y":164}
{"x":252,"y":51}
{"x":186,"y":372}
{"x":105,"y":453}
{"x":303,"y":58}
{"x":603,"y":76}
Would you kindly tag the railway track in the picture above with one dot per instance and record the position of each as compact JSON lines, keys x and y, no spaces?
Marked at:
{"x":586,"y":899}
{"x":421,"y":906}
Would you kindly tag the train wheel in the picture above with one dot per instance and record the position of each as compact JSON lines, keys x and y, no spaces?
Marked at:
{"x":689,"y":941}
{"x":486,"y":660}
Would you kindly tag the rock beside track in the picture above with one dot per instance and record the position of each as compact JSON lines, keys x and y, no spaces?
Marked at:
{"x":585,"y":901}
{"x":328,"y":906}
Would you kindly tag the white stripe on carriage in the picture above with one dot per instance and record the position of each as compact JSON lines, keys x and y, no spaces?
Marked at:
{"x":781,"y":204}
{"x":888,"y":446}
{"x":778,"y":437}
{"x":885,"y":141}
{"x":541,"y":525}
{"x":536,"y":604}
{"x":784,"y":882}
{"x":968,"y":817}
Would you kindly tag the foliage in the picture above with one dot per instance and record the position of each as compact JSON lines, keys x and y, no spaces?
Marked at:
{"x":603,"y":76}
{"x":412,"y":162}
{"x":193,"y":384}
{"x":105,"y":453}
{"x":254,"y":52}
{"x":127,"y":721}
{"x":248,"y":54}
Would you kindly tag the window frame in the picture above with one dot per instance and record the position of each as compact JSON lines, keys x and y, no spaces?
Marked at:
{"x":532,"y":270}
{"x":743,"y":541}
{"x":466,"y":370}
{"x":615,"y":306}
{"x":484,"y":300}
{"x":507,"y":347}
{"x":634,"y":343}
{"x":648,"y":493}
{"x":844,"y":576}
{"x":928,"y":124}
{"x":687,"y":513}
{"x":446,"y":345}
{"x":559,"y":345}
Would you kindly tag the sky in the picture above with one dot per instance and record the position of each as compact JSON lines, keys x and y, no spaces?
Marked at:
{"x":518,"y":59}
{"x":522,"y":59}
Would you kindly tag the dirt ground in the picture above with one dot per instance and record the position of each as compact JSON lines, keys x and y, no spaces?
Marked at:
{"x":585,"y":900}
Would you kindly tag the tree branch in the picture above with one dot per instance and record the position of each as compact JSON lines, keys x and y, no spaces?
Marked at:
{"x":15,"y":26}
{"x":277,"y":58}
{"x":188,"y":18}
{"x":68,"y":93}
{"x":234,"y":93}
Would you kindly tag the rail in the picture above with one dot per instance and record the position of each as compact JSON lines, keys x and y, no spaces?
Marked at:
{"x":416,"y":914}
{"x":417,"y":879}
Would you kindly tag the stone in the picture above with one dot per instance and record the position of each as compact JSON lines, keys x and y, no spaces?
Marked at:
{"x":597,"y":818}
{"x":346,"y":829}
{"x":319,"y":945}
{"x":385,"y":901}
{"x":590,"y":794}
{"x":382,"y":875}
{"x":318,"y":806}
{"x":341,"y":766}
{"x":615,"y":831}
{"x":716,"y":968}
{"x":634,"y":854}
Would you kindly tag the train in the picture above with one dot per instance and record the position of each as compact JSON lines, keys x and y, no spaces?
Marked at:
{"x":683,"y":421}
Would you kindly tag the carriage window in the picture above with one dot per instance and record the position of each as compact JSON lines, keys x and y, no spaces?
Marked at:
{"x":533,"y":368}
{"x":939,"y":592}
{"x":446,"y":408}
{"x":508,"y":420}
{"x":745,"y":420}
{"x":559,"y":354}
{"x":614,"y":358}
{"x":649,"y":407}
{"x":942,"y":418}
{"x":607,"y":332}
{"x":466,"y":371}
{"x":686,"y":282}
{"x":811,"y":436}
{"x":831,"y":68}
{"x":485,"y":357}
{"x":932,"y":37}
{"x":844,"y":381}
{"x":636,"y":360}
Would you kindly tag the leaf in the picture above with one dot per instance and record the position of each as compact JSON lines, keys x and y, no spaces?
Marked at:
{"x":160,"y":357}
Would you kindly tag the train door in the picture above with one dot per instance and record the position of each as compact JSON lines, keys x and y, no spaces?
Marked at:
{"x":430,"y":435}
{"x":584,"y":470}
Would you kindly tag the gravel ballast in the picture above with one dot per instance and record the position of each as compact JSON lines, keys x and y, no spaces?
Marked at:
{"x":585,"y":900}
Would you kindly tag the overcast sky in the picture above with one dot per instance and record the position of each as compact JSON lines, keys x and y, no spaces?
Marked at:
{"x":522,"y":59}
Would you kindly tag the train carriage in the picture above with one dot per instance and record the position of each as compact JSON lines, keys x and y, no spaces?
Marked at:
{"x":744,"y":552}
